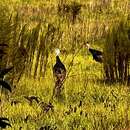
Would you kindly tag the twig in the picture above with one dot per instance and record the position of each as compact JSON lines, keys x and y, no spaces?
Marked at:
{"x":71,"y":63}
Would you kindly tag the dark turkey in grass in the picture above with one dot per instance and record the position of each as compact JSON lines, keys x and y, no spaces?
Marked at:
{"x":59,"y":73}
{"x":5,"y":71}
{"x":59,"y":70}
{"x":4,"y":83}
{"x":97,"y":55}
{"x":4,"y":122}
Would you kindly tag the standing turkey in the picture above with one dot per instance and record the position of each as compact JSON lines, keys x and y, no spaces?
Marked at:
{"x":59,"y":73}
{"x":97,"y":55}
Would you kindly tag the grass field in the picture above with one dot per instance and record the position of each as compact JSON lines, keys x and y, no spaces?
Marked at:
{"x":103,"y":107}
{"x":87,"y":102}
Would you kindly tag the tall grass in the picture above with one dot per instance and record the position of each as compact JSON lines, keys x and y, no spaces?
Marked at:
{"x":117,"y":53}
{"x":33,"y":29}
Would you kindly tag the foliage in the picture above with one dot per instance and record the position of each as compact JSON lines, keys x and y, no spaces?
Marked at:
{"x":32,"y":30}
{"x":116,"y":53}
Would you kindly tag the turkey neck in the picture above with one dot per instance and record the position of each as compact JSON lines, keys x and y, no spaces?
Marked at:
{"x":58,"y":59}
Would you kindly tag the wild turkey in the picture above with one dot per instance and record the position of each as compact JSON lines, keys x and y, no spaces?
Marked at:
{"x":4,"y":71}
{"x":4,"y":83}
{"x":59,"y":72}
{"x":4,"y":122}
{"x":97,"y":55}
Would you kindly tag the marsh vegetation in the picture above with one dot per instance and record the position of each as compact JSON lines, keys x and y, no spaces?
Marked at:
{"x":94,"y":96}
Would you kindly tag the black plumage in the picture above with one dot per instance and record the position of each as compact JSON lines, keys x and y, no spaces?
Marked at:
{"x":59,"y":72}
{"x":4,"y":45}
{"x":128,"y":80}
{"x":5,"y":71}
{"x":5,"y":85}
{"x":97,"y":55}
{"x":2,"y":52}
{"x":59,"y":69}
{"x":4,"y":122}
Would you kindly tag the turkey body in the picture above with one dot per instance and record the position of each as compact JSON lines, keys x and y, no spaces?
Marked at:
{"x":97,"y":55}
{"x":4,"y":123}
{"x":59,"y":73}
{"x":59,"y":70}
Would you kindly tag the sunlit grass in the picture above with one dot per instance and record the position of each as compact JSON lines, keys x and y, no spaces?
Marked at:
{"x":103,"y":106}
